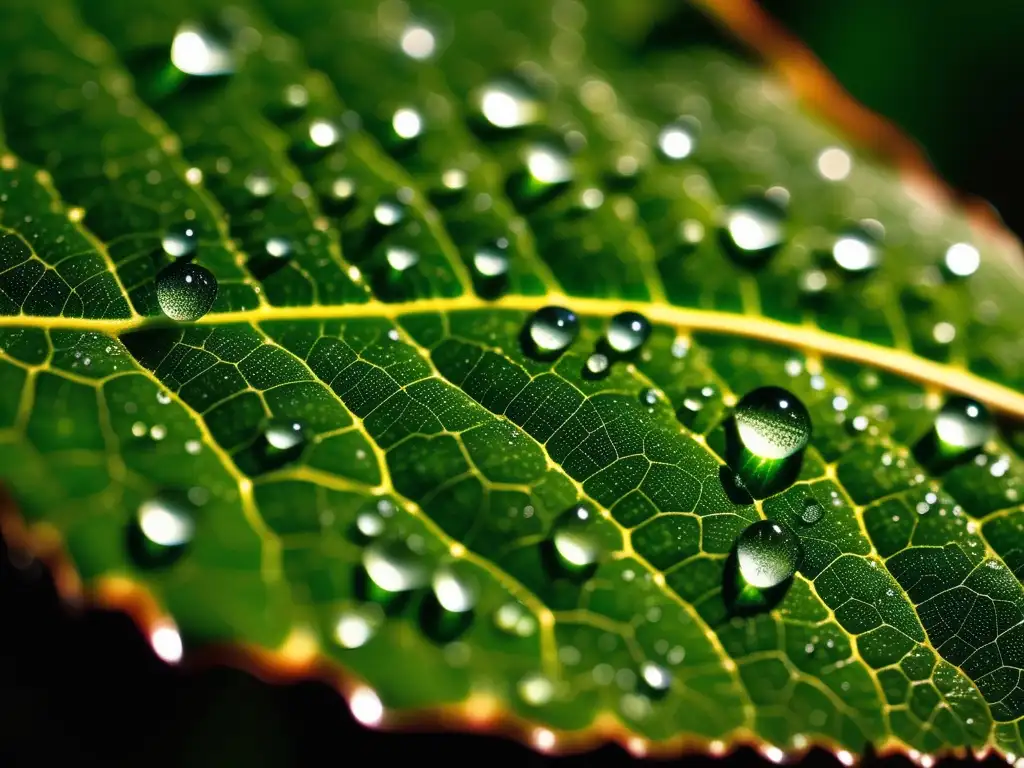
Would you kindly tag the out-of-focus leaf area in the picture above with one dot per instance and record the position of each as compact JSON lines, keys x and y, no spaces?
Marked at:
{"x":546,"y":370}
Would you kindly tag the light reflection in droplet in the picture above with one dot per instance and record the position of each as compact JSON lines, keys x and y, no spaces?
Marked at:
{"x":962,"y":259}
{"x":366,"y":706}
{"x":548,"y":166}
{"x":834,"y":164}
{"x":166,"y":642}
{"x":418,"y":42}
{"x":407,"y":123}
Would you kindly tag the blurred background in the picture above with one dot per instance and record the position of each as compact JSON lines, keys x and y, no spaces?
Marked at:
{"x":83,"y":687}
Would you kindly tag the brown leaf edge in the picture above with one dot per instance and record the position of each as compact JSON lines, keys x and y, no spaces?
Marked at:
{"x":298,"y":659}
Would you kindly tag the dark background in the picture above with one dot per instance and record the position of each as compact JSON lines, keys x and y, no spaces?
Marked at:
{"x":83,"y":688}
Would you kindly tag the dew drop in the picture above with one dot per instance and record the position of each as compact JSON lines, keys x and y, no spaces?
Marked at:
{"x":162,"y":529}
{"x":812,"y":511}
{"x":283,"y":435}
{"x":278,"y":247}
{"x":627,"y":332}
{"x":180,"y":240}
{"x":357,"y":626}
{"x":508,"y":103}
{"x":260,"y":185}
{"x":772,"y":423}
{"x":324,"y":134}
{"x":597,"y":364}
{"x":754,"y":229}
{"x":394,"y":566}
{"x":552,"y":329}
{"x":963,"y":424}
{"x":406,"y":124}
{"x":400,"y":258}
{"x":185,"y":291}
{"x":962,"y":260}
{"x":200,"y":51}
{"x":857,"y":250}
{"x":656,"y":677}
{"x":768,"y":554}
{"x":491,"y":260}
{"x":548,"y":166}
{"x":514,"y":619}
{"x":455,"y":587}
{"x":536,"y":689}
{"x":678,"y":139}
{"x":649,"y":397}
{"x":575,"y":539}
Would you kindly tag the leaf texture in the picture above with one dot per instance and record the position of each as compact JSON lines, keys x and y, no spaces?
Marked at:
{"x":436,"y":452}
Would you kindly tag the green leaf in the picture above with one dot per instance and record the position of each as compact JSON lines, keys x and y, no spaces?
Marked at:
{"x":358,"y":462}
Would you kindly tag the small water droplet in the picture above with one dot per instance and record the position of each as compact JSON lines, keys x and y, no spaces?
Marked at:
{"x":180,"y":240}
{"x":627,"y":332}
{"x":678,"y":139}
{"x":963,"y":424}
{"x":536,"y":689}
{"x":418,"y":42}
{"x":162,"y":529}
{"x":394,"y":566}
{"x":285,"y":435}
{"x":370,"y":524}
{"x":260,"y":185}
{"x":857,"y":250}
{"x":513,"y":618}
{"x":812,"y":511}
{"x":278,"y":247}
{"x":508,"y":103}
{"x":962,"y":260}
{"x":185,"y":291}
{"x":754,"y":229}
{"x":552,"y":329}
{"x":547,"y":165}
{"x":649,"y":397}
{"x":400,"y":258}
{"x":455,"y":587}
{"x":491,"y":260}
{"x":163,"y":397}
{"x":597,"y":364}
{"x":201,"y":51}
{"x":388,"y":213}
{"x":768,"y":554}
{"x":656,"y":677}
{"x":772,"y":423}
{"x":406,"y":124}
{"x":356,"y":626}
{"x":324,"y":134}
{"x":575,"y":539}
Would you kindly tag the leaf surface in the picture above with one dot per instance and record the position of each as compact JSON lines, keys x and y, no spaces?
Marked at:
{"x":436,"y":453}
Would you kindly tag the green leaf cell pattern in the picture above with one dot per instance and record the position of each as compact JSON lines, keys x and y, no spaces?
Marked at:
{"x":357,"y":452}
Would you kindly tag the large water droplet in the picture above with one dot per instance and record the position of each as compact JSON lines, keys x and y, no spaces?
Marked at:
{"x":772,"y":423}
{"x":678,"y":139}
{"x":812,"y":511}
{"x":963,"y":424}
{"x":455,"y":587}
{"x":201,"y":51}
{"x":754,"y":229}
{"x":185,"y":291}
{"x":575,"y":539}
{"x":180,"y":240}
{"x":356,"y":626}
{"x":627,"y":332}
{"x":162,"y":529}
{"x":857,"y":250}
{"x":508,"y":103}
{"x":553,"y":329}
{"x":514,"y":619}
{"x":768,"y":553}
{"x":394,"y":566}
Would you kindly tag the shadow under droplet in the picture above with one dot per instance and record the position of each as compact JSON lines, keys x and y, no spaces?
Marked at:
{"x":760,"y":477}
{"x":528,"y":194}
{"x":740,"y":598}
{"x":260,"y":456}
{"x":930,"y":453}
{"x":263,"y":267}
{"x":440,"y":625}
{"x":147,"y":555}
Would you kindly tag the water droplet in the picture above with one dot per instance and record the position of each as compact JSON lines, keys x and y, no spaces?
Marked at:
{"x":260,"y":185}
{"x":857,"y":250}
{"x":491,"y":260}
{"x":649,"y":397}
{"x":963,"y":424}
{"x":278,"y":247}
{"x":201,"y":51}
{"x":575,"y":539}
{"x":455,"y":587}
{"x":400,"y":258}
{"x":508,"y":103}
{"x":162,"y":529}
{"x":164,"y":398}
{"x":678,"y":139}
{"x":597,"y":364}
{"x":656,"y":677}
{"x":514,"y":619}
{"x":180,"y":240}
{"x":553,"y":329}
{"x":394,"y":566}
{"x":388,"y":213}
{"x":812,"y":511}
{"x":407,"y":123}
{"x":536,"y":689}
{"x":754,"y":229}
{"x":772,"y":423}
{"x":962,"y":260}
{"x":548,"y":166}
{"x":370,"y":524}
{"x":418,"y":42}
{"x":356,"y":626}
{"x":285,"y":435}
{"x":627,"y":332}
{"x":768,"y":554}
{"x":185,"y":291}
{"x":324,"y":134}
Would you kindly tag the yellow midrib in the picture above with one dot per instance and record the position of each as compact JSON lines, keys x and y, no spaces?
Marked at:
{"x":940,"y":376}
